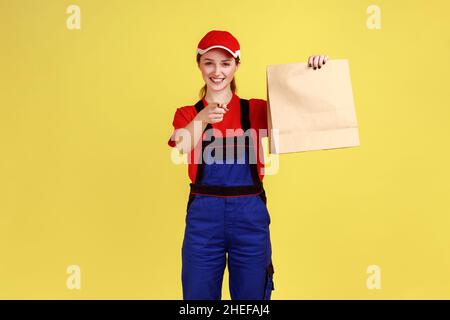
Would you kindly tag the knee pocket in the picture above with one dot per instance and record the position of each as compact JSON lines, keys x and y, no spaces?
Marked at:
{"x":269,"y":282}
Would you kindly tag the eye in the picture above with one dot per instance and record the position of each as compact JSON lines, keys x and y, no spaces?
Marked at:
{"x":207,"y":63}
{"x":226,"y":64}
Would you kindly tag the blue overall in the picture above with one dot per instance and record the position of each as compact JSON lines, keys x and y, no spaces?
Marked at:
{"x":227,"y":215}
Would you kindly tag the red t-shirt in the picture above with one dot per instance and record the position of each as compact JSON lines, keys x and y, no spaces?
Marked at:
{"x":231,"y":120}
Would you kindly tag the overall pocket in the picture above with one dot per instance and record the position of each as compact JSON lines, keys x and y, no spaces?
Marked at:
{"x":263,"y":200}
{"x":191,"y":199}
{"x":263,"y":197}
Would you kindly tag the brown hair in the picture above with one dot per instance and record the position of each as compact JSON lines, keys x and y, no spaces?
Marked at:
{"x":232,"y":84}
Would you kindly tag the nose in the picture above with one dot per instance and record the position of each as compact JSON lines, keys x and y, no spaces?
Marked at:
{"x":217,"y":71}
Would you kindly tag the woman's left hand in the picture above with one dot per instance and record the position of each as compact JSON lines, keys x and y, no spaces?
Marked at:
{"x":317,"y":61}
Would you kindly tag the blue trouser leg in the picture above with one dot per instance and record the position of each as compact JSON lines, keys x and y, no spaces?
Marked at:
{"x":249,"y":248}
{"x":204,"y":251}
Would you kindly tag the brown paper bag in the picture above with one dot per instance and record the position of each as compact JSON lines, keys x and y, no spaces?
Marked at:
{"x":310,"y":109}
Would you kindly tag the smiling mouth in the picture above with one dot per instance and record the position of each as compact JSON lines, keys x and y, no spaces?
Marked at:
{"x":217,"y":81}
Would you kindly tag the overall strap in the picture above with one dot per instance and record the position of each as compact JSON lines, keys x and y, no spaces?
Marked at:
{"x":200,"y":166}
{"x":246,"y":124}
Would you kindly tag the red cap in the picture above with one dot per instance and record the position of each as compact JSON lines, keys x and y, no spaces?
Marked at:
{"x":219,"y":39}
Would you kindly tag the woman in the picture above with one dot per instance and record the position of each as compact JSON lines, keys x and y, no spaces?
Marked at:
{"x":226,"y":211}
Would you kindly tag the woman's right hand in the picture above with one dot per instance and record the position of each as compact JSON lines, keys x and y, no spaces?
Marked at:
{"x":212,"y":113}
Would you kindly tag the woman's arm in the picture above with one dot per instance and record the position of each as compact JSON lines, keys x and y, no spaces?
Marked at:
{"x":186,"y":138}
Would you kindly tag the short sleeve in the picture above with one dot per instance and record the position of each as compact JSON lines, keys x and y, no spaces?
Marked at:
{"x":258,"y":113}
{"x":182,"y":117}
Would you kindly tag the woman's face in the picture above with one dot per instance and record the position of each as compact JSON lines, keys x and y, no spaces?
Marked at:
{"x":218,"y":67}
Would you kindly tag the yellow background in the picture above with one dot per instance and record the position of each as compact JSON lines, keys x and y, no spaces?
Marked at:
{"x":86,"y":177}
